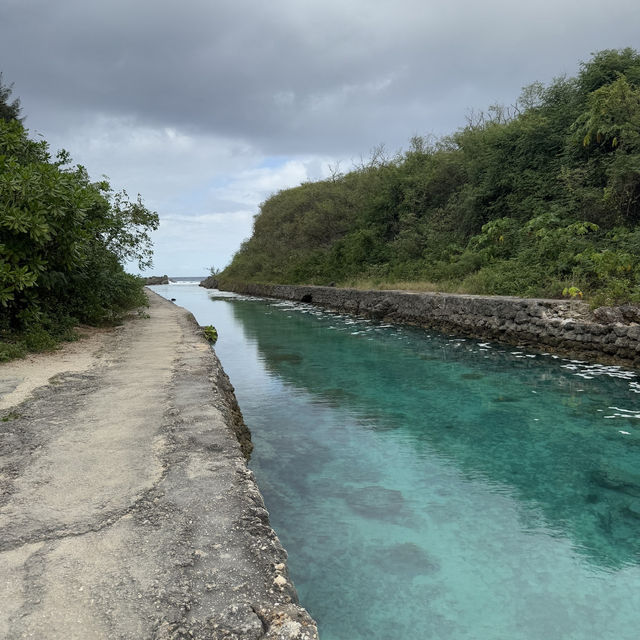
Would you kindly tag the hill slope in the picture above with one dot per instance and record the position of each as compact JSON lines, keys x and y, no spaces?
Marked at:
{"x":539,"y":199}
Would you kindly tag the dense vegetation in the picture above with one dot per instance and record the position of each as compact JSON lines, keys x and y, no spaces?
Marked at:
{"x":63,"y":242}
{"x":539,"y":199}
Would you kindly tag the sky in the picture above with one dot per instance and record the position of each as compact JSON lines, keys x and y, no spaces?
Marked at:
{"x":207,"y":107}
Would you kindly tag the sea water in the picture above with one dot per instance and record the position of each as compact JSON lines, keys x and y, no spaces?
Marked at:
{"x":428,"y":486}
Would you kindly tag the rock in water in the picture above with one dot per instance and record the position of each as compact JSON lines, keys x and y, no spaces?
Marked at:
{"x":375,"y":502}
{"x":156,"y":280}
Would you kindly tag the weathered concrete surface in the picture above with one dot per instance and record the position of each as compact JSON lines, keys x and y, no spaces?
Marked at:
{"x":126,"y":507}
{"x":565,"y":326}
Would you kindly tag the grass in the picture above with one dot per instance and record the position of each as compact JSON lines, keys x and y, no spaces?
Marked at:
{"x":406,"y":285}
{"x":15,"y":346}
{"x":481,"y":283}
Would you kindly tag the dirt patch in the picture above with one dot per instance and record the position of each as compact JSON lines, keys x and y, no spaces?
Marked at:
{"x":19,"y":378}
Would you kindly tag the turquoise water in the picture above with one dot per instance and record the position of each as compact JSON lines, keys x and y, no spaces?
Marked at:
{"x":427,"y":486}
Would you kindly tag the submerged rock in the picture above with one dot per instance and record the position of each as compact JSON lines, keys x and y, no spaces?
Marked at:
{"x":293,"y":358}
{"x":632,"y":509}
{"x":406,"y":559}
{"x":618,"y":480}
{"x":375,"y":502}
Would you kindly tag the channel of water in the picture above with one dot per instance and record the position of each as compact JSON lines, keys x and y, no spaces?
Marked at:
{"x":428,"y":486}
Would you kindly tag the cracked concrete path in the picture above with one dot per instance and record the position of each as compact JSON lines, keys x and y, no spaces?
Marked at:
{"x":126,"y":507}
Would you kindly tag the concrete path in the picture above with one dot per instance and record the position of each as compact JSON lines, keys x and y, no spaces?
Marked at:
{"x":126,"y":507}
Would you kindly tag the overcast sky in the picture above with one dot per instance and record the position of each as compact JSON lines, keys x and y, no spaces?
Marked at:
{"x":206,"y":107}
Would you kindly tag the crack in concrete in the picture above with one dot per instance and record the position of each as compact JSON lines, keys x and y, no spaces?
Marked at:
{"x":33,"y":571}
{"x":61,"y":534}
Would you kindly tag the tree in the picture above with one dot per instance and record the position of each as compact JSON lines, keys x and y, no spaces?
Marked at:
{"x":607,"y":65}
{"x":609,"y":133}
{"x":613,"y":116}
{"x":8,"y":110}
{"x":63,"y":239}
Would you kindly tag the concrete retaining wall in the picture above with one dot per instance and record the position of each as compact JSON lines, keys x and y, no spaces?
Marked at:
{"x":566,"y":326}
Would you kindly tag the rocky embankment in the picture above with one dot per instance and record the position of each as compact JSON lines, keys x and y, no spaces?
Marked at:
{"x":156,"y":280}
{"x":610,"y":334}
{"x":126,"y":506}
{"x":210,"y":282}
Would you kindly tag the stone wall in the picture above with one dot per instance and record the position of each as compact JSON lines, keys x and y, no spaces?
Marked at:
{"x":565,"y":326}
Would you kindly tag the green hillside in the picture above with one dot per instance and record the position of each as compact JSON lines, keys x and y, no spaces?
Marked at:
{"x":538,"y":199}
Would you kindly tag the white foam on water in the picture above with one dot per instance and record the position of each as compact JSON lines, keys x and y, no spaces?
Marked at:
{"x":634,"y":415}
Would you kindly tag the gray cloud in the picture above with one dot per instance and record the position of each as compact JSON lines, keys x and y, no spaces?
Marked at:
{"x":217,"y":87}
{"x":299,"y":76}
